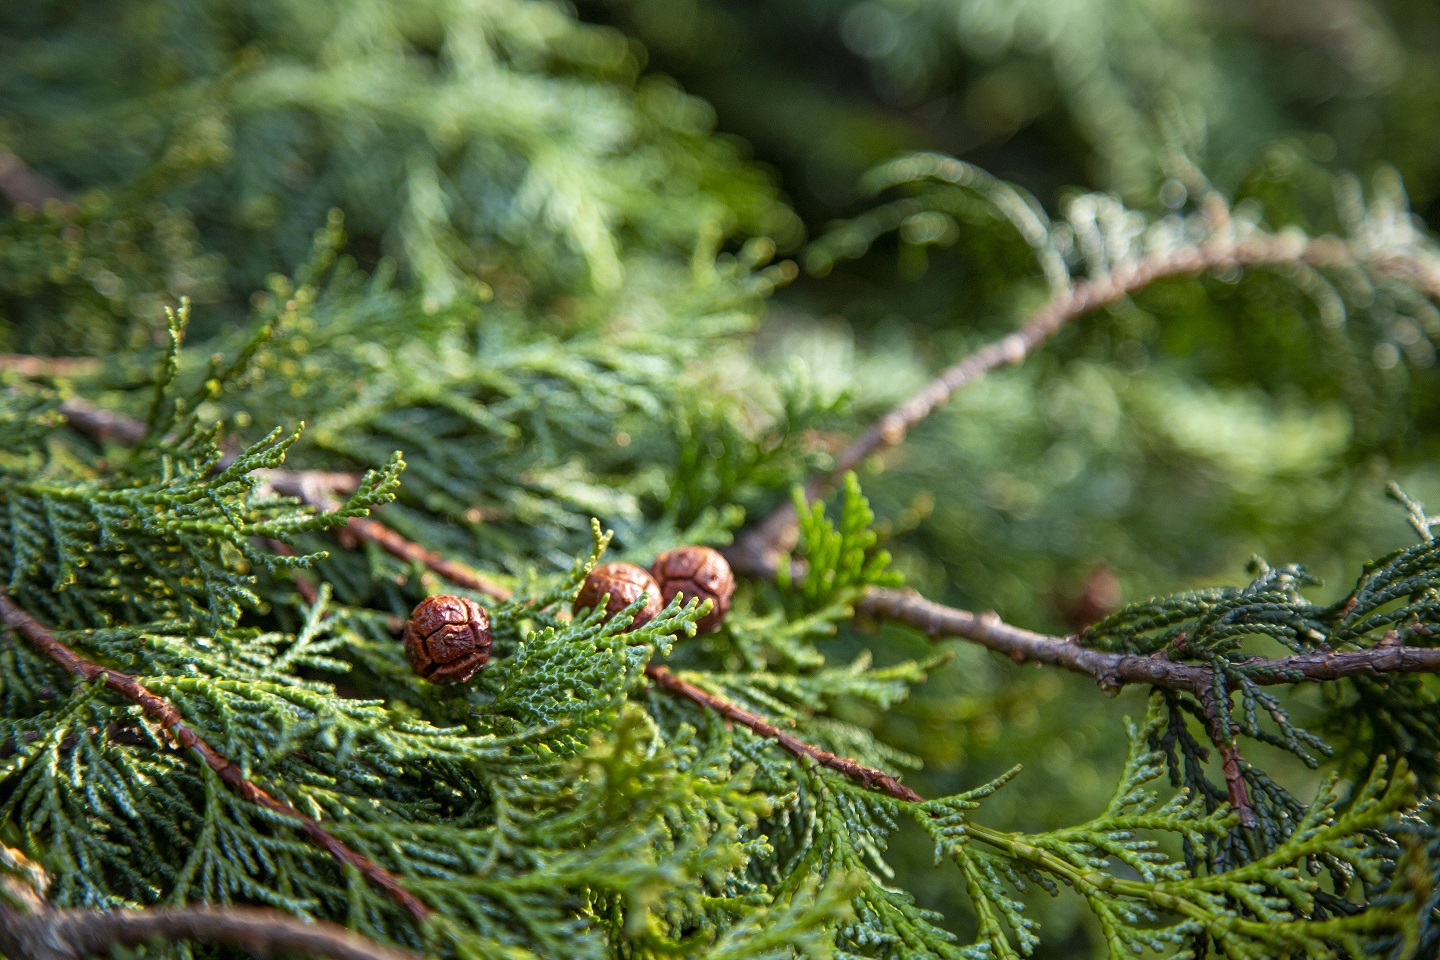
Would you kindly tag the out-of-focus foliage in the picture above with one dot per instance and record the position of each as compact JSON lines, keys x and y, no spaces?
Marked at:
{"x":1095,"y":91}
{"x":551,"y":264}
{"x":506,"y":150}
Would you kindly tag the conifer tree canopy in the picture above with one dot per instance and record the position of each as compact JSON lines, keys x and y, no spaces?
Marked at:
{"x":1037,"y":399}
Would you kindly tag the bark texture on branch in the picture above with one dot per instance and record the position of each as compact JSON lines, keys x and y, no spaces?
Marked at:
{"x":398,"y":546}
{"x":1115,"y":670}
{"x":51,"y":934}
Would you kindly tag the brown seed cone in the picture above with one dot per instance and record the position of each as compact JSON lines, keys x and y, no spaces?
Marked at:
{"x":447,"y":638}
{"x":624,"y":582}
{"x":696,"y":572}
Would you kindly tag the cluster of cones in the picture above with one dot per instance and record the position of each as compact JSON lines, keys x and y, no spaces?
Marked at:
{"x":447,"y":638}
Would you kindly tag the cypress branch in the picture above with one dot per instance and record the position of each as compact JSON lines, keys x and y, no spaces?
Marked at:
{"x":316,"y":489}
{"x":556,"y":264}
{"x":859,"y":586}
{"x":164,"y":713}
{"x":861,"y":774}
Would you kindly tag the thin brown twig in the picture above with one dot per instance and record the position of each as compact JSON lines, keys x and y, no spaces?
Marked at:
{"x":762,"y":544}
{"x":398,"y":546}
{"x":165,"y":713}
{"x":866,"y":776}
{"x":102,"y":424}
{"x":55,"y":934}
{"x":1113,"y":671}
{"x":315,"y":488}
{"x":1231,"y":762}
{"x":26,"y":365}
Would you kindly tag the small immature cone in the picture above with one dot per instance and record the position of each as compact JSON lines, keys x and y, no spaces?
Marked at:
{"x":624,"y":582}
{"x":447,"y":638}
{"x":696,"y":573}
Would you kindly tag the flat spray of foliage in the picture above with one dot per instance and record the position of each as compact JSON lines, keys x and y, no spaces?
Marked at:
{"x":539,"y":323}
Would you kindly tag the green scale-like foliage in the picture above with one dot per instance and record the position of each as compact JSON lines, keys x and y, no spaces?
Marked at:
{"x":507,"y":822}
{"x":552,"y":268}
{"x":538,"y":810}
{"x":553,"y":804}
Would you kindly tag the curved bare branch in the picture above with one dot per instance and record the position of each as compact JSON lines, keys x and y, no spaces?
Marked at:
{"x":51,"y":934}
{"x":762,"y":544}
